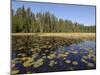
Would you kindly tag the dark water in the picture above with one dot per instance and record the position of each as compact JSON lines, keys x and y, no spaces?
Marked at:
{"x":56,"y":54}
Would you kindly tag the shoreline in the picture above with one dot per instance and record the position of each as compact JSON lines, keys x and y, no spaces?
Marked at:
{"x":66,"y":35}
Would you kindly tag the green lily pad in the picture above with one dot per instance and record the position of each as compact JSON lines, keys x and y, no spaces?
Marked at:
{"x":13,"y":61}
{"x":24,"y":58}
{"x":94,"y":59}
{"x":61,"y":55}
{"x":38,"y":63}
{"x":14,"y":72}
{"x":44,"y":57}
{"x":46,"y":50}
{"x":51,"y":56}
{"x":75,"y":63}
{"x":66,"y":53}
{"x":21,"y":54}
{"x":75,"y":52}
{"x":90,"y":64}
{"x":28,"y":63}
{"x":52,"y":63}
{"x":72,"y":48}
{"x":34,"y":55}
{"x":83,"y":60}
{"x":49,"y":46}
{"x":85,"y":57}
{"x":29,"y":72}
{"x":68,"y":61}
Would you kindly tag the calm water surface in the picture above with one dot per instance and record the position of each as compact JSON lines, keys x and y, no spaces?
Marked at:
{"x":64,"y":57}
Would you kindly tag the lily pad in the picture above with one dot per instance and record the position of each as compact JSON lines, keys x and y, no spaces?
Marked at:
{"x":83,"y":60}
{"x":21,"y":54}
{"x":90,"y":64}
{"x":75,"y":52}
{"x":46,"y":50}
{"x":68,"y":61}
{"x":66,"y":53}
{"x":52,"y":63}
{"x":49,"y":46}
{"x":34,"y":55}
{"x":85,"y":57}
{"x":61,"y":55}
{"x":38,"y":63}
{"x":28,"y":63}
{"x":24,"y":58}
{"x":75,"y":63}
{"x":44,"y":57}
{"x":51,"y":56}
{"x":14,"y":72}
{"x":72,"y":48}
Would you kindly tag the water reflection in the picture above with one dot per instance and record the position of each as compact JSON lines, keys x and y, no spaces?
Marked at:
{"x":31,"y":54}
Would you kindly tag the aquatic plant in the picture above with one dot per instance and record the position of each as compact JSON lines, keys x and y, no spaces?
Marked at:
{"x":37,"y":49}
{"x":68,"y":61}
{"x":44,"y":46}
{"x":47,"y":42}
{"x":66,"y":53}
{"x":87,"y":49}
{"x":83,"y":60}
{"x":64,"y":58}
{"x":54,"y":51}
{"x":43,"y":54}
{"x":75,"y":52}
{"x":21,"y":54}
{"x":44,"y":57}
{"x":46,"y":50}
{"x":72,"y":49}
{"x":38,"y":63}
{"x":61,"y":55}
{"x":51,"y":56}
{"x":14,"y":72}
{"x":35,"y":55}
{"x":75,"y":63}
{"x":16,"y":60}
{"x":28,"y":63}
{"x":90,"y":64}
{"x":90,"y":55}
{"x":13,"y":61}
{"x":50,"y":46}
{"x":52,"y":63}
{"x":85,"y":57}
{"x":29,"y":72}
{"x":24,"y":58}
{"x":94,"y":59}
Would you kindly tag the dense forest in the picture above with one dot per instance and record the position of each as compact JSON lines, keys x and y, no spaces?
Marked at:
{"x":25,"y":21}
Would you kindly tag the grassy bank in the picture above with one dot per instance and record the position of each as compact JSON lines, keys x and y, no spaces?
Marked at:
{"x":65,"y":35}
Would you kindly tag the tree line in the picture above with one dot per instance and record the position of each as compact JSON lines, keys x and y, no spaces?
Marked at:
{"x":25,"y":21}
